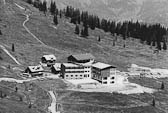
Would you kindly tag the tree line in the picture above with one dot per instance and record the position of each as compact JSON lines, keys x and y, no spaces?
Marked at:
{"x":154,"y":35}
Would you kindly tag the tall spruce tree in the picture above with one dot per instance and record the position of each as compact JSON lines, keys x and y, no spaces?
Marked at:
{"x":55,"y":19}
{"x":44,"y":6}
{"x":13,"y":48}
{"x":86,"y":33}
{"x":29,"y":1}
{"x":77,"y":30}
{"x":164,"y":46}
{"x":52,"y":7}
{"x":153,"y":102}
{"x":162,"y":86}
{"x":0,"y":32}
{"x":82,"y":32}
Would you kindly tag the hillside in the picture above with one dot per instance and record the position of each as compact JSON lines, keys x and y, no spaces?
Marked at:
{"x":34,"y":34}
{"x":66,"y":42}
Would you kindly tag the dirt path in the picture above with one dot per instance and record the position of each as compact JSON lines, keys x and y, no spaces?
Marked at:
{"x":7,"y":52}
{"x":51,"y":108}
{"x":27,"y":29}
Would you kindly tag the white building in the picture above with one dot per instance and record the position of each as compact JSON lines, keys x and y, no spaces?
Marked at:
{"x":34,"y":71}
{"x":74,"y":71}
{"x":48,"y":59}
{"x":104,"y":73}
{"x":83,"y":60}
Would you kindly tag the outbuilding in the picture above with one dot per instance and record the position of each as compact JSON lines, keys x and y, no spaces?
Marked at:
{"x":48,"y":59}
{"x":104,"y":73}
{"x":34,"y":71}
{"x":81,"y":58}
{"x":56,"y":68}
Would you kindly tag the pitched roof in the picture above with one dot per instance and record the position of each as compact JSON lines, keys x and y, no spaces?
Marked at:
{"x":35,"y":68}
{"x":101,"y":66}
{"x":86,"y":56}
{"x":49,"y":57}
{"x":70,"y":65}
{"x":57,"y":66}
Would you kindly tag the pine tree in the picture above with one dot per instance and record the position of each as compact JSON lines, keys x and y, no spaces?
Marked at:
{"x":29,"y":1}
{"x":0,"y":32}
{"x":159,"y":46}
{"x":44,"y":5}
{"x":85,"y":31}
{"x":37,"y":3}
{"x":13,"y":48}
{"x":164,"y":46}
{"x":55,"y":20}
{"x":77,"y":31}
{"x":82,"y":32}
{"x":60,"y":14}
{"x":162,"y":86}
{"x":113,"y":42}
{"x":16,"y":89}
{"x":1,"y":95}
{"x":153,"y":102}
{"x":153,"y":43}
{"x":53,"y":7}
{"x":30,"y":105}
{"x":99,"y":39}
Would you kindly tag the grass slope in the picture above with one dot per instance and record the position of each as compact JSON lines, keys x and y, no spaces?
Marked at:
{"x":28,"y":52}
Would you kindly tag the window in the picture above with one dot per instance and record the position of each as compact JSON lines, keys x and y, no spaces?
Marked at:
{"x":81,"y":75}
{"x":85,"y":75}
{"x":66,"y":75}
{"x":71,"y":75}
{"x":104,"y":82}
{"x":105,"y":78}
{"x":76,"y":75}
{"x":112,"y":82}
{"x":88,"y":75}
{"x":112,"y":77}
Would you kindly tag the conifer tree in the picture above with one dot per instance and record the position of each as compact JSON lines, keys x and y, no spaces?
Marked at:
{"x":16,"y":89}
{"x":44,"y":6}
{"x":164,"y":46}
{"x":85,"y":31}
{"x":30,"y":105}
{"x":0,"y":32}
{"x":29,"y":1}
{"x":13,"y":48}
{"x":153,"y":102}
{"x":52,"y":7}
{"x":60,"y":14}
{"x":82,"y":32}
{"x":113,"y":42}
{"x":99,"y":39}
{"x":55,"y":19}
{"x":162,"y":86}
{"x":77,"y":31}
{"x":159,"y":45}
{"x":1,"y":94}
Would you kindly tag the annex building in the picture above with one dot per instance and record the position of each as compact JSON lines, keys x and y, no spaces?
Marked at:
{"x":104,"y":73}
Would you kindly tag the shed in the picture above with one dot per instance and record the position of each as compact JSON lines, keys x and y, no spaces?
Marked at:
{"x":34,"y":70}
{"x":81,"y":58}
{"x":48,"y":59}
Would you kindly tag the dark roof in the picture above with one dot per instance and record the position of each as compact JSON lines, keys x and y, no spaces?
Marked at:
{"x":86,"y":56}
